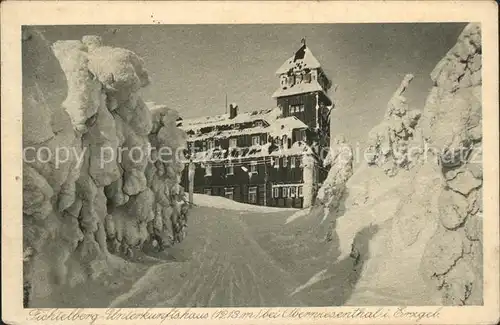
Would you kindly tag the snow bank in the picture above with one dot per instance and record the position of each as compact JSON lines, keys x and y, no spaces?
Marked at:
{"x":103,"y":196}
{"x":224,"y":203}
{"x":426,"y":204}
{"x":453,"y":261}
{"x":332,"y":192}
{"x":297,"y":215}
{"x":392,"y":143}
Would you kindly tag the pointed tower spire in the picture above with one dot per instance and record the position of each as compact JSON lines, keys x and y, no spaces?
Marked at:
{"x":303,"y":41}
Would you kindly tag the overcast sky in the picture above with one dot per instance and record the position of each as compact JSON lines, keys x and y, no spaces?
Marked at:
{"x":192,"y":67}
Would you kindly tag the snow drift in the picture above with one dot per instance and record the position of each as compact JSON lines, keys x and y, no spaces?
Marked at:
{"x":92,"y":184}
{"x":422,"y":187}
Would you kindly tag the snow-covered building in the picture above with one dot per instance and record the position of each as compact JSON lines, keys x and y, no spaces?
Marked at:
{"x":271,"y":157}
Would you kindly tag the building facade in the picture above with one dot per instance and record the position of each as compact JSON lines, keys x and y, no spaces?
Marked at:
{"x":270,"y":157}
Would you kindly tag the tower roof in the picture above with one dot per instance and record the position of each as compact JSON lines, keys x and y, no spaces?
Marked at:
{"x":302,"y":59}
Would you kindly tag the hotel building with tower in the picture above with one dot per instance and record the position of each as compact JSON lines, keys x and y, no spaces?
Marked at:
{"x":271,"y":157}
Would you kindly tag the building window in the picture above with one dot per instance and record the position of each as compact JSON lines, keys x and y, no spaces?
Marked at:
{"x":207,"y":191}
{"x":253,"y":168}
{"x":276,"y":162}
{"x":285,"y":161}
{"x":283,"y":140}
{"x":300,"y":191}
{"x":284,"y":191}
{"x":296,"y":108}
{"x":211,"y":144}
{"x":307,"y":77}
{"x":293,"y":191}
{"x":255,"y":140}
{"x":228,"y":192}
{"x":229,"y":170}
{"x":208,"y":170}
{"x":283,"y":80}
{"x":276,"y":192}
{"x":233,"y":143}
{"x":292,"y":162}
{"x":252,"y":194}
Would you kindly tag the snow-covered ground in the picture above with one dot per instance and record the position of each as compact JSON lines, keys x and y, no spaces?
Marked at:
{"x":297,"y":214}
{"x":219,"y":202}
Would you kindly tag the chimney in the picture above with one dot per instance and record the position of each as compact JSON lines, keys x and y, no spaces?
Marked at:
{"x":233,"y":110}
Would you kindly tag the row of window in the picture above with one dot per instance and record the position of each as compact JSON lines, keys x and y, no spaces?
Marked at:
{"x":294,"y":162}
{"x":256,"y":140}
{"x":291,"y":191}
{"x":297,"y":79}
{"x":296,"y":108}
{"x":229,"y":193}
{"x":233,"y":143}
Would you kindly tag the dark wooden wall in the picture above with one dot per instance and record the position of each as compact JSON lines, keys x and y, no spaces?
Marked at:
{"x":308,"y":116}
{"x":241,"y":181}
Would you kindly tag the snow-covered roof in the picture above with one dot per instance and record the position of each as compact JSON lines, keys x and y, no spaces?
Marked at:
{"x":284,"y":126}
{"x":298,"y":148}
{"x":217,"y":154}
{"x":228,"y":133}
{"x":298,"y":88}
{"x":302,"y":59}
{"x":223,"y":119}
{"x":277,"y":127}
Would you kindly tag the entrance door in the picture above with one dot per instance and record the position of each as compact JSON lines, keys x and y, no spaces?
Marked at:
{"x":229,"y":193}
{"x":252,"y":195}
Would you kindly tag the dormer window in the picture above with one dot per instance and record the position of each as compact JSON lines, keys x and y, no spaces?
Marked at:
{"x":307,"y":77}
{"x":283,"y":80}
{"x":255,"y":140}
{"x":283,"y":140}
